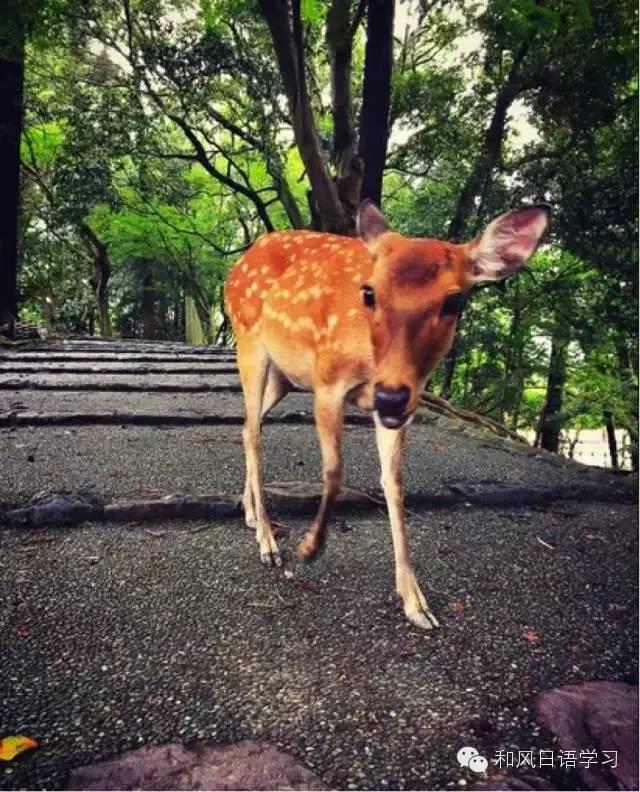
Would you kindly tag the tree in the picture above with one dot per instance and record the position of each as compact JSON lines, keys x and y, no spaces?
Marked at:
{"x":12,"y":40}
{"x":376,"y":97}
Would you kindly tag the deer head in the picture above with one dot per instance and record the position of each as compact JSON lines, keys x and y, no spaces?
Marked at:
{"x":416,"y":293}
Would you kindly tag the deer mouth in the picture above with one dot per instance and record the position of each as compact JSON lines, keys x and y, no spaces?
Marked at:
{"x":394,"y":421}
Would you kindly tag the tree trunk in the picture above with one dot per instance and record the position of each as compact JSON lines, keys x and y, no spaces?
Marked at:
{"x":285,"y":26}
{"x":629,"y":373}
{"x":103,"y":271}
{"x":556,"y":378}
{"x":376,"y":96}
{"x":11,"y":100}
{"x":340,"y":32}
{"x":491,"y":149}
{"x":486,"y":162}
{"x":573,"y":443}
{"x":611,"y":438}
{"x":148,"y":303}
{"x":476,"y":182}
{"x":100,"y":277}
{"x":511,"y":385}
{"x":450,"y":362}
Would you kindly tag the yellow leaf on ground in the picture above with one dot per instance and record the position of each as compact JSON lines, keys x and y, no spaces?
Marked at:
{"x":10,"y":747}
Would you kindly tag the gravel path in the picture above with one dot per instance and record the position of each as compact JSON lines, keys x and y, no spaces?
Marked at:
{"x":144,"y":635}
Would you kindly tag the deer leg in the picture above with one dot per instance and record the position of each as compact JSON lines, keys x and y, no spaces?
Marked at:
{"x":276,"y":389}
{"x":391,"y":448}
{"x":329,"y":412}
{"x":253,"y":364}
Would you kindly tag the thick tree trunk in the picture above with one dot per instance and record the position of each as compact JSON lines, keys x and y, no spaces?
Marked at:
{"x":285,"y":26}
{"x":376,"y":96}
{"x":556,"y":378}
{"x":340,"y":32}
{"x":11,"y":97}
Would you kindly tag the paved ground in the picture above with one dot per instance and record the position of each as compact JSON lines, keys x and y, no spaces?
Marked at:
{"x":116,"y":636}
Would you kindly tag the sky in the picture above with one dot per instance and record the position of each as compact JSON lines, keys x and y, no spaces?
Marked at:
{"x":522,"y":132}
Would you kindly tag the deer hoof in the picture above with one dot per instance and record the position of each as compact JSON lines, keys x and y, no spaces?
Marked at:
{"x":308,"y":549}
{"x":425,"y":620}
{"x":271,"y":558}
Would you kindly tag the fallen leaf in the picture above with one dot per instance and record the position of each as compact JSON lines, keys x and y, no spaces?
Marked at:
{"x":11,"y":746}
{"x":457,"y":606}
{"x":531,"y":636}
{"x":439,"y":448}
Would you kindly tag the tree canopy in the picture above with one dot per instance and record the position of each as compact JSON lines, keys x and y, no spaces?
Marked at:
{"x":160,"y":138}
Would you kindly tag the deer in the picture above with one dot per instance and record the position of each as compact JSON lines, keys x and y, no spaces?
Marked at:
{"x":356,"y":320}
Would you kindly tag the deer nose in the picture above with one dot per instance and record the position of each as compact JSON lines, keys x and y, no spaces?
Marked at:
{"x":391,"y":402}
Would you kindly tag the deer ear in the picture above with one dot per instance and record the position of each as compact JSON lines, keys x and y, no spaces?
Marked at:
{"x":370,"y":222}
{"x":507,"y":243}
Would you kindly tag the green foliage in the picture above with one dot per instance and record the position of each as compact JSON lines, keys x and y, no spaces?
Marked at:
{"x":165,"y":135}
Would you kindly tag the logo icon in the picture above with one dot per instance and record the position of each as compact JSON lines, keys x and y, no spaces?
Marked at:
{"x":469,"y":757}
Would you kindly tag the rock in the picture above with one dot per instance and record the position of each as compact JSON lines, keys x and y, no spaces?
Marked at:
{"x":245,"y":765}
{"x":601,"y":716}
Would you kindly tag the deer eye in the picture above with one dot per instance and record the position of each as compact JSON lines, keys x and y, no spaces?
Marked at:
{"x":368,"y":296}
{"x":453,"y":305}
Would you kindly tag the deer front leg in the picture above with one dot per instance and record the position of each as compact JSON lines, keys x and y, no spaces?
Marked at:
{"x":329,"y":415}
{"x":391,"y":450}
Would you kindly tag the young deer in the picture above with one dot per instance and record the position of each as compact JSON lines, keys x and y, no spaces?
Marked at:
{"x":358,"y":320}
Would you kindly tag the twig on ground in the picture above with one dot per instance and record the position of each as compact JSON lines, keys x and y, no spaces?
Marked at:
{"x":199,"y":528}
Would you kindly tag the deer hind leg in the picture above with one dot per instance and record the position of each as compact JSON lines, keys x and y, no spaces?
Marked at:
{"x":329,"y":416}
{"x":390,"y":448}
{"x":253,"y":363}
{"x":275,"y":390}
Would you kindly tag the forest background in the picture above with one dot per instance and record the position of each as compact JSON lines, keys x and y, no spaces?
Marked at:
{"x":158,"y":138}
